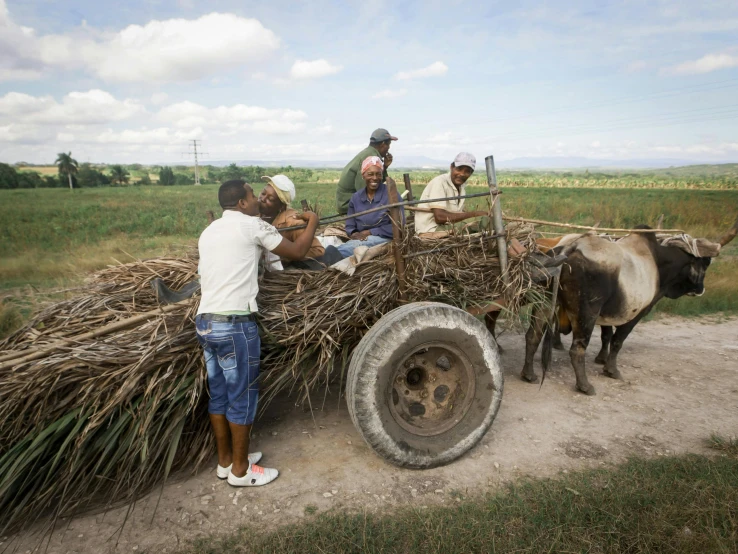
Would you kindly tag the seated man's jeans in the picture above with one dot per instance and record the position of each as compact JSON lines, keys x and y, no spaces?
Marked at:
{"x":232,"y":353}
{"x":347,"y":248}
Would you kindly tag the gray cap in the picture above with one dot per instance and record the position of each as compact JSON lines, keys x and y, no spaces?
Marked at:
{"x":381,"y":135}
{"x":465,"y":158}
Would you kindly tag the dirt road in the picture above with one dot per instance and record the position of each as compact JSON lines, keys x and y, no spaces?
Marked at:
{"x":680,"y":385}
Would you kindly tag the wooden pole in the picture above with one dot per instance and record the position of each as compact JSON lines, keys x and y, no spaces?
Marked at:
{"x":396,"y":217}
{"x":570,"y":226}
{"x":408,"y":186}
{"x":497,"y":223}
{"x":409,"y":218}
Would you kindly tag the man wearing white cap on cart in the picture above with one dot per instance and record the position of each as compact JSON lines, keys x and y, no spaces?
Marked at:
{"x":275,"y":208}
{"x":440,"y":216}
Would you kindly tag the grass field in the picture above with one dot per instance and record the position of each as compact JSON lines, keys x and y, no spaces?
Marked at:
{"x":679,"y":505}
{"x":693,"y":177}
{"x":51,"y":237}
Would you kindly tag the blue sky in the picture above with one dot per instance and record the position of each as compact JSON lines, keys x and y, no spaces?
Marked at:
{"x":283,"y":80}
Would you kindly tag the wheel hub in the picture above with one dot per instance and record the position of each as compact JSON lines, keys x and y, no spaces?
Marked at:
{"x":432,"y":389}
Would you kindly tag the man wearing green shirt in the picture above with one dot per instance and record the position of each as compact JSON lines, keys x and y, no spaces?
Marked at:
{"x":351,"y":180}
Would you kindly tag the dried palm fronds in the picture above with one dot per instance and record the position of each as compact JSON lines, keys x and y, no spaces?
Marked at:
{"x":101,"y":420}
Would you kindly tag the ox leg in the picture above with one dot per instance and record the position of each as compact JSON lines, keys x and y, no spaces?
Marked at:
{"x":582,"y":333}
{"x":490,"y":320}
{"x":532,"y":340}
{"x":621,"y":333}
{"x":604,"y":350}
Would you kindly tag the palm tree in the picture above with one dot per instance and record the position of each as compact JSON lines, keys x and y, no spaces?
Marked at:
{"x":118,"y":174}
{"x":67,"y":166}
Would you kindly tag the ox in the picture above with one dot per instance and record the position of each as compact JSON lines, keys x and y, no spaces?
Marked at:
{"x":614,"y":285}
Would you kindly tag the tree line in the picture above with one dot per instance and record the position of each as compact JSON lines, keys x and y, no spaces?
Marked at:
{"x":71,"y":174}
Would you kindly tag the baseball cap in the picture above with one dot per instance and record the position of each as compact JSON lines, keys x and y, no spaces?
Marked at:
{"x":464,"y":158}
{"x":380,"y":135}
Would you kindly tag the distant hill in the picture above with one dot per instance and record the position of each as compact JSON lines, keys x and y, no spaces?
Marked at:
{"x":543,"y":163}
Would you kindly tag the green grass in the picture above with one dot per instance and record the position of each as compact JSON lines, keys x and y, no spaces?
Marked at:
{"x":728,"y":446}
{"x":50,"y":237}
{"x":678,"y":505}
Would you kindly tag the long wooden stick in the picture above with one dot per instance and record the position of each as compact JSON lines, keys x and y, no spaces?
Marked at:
{"x":31,"y":354}
{"x":570,"y":226}
{"x":332,"y":219}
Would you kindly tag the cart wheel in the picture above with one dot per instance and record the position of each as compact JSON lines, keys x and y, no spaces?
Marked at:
{"x":424,"y":384}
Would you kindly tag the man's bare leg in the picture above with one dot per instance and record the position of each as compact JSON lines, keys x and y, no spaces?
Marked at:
{"x":222,"y":433}
{"x":240,"y":437}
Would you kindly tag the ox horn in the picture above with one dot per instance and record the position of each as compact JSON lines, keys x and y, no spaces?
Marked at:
{"x":660,"y":222}
{"x":730,"y":235}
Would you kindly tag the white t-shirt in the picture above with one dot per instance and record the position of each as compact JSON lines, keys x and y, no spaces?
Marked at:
{"x":230,"y":248}
{"x":439,"y":187}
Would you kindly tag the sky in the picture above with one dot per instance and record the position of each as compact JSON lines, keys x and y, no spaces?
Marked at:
{"x":278,"y":80}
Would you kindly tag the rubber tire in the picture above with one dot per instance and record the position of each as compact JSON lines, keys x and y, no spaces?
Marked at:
{"x":370,"y":371}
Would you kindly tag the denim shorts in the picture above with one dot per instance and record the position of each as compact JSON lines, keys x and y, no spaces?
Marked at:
{"x":232,"y":359}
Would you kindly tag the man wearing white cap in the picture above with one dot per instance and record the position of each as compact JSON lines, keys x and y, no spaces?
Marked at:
{"x":274,"y":208}
{"x":440,"y":216}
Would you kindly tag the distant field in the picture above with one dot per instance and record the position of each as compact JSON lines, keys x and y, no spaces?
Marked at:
{"x":50,"y":237}
{"x":42,"y":169}
{"x":696,"y":177}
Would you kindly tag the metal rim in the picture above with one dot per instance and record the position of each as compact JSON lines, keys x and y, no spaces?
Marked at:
{"x":432,"y":389}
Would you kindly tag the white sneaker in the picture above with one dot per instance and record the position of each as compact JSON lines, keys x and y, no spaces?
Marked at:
{"x":222,"y":472}
{"x":255,"y":477}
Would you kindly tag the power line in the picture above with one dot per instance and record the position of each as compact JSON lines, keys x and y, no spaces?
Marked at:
{"x":193,"y":152}
{"x":604,"y":103}
{"x":654,"y":120}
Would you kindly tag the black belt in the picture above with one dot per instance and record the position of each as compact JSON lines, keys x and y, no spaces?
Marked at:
{"x":228,"y":318}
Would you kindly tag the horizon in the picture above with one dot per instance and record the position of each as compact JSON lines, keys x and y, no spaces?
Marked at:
{"x":615,"y":82}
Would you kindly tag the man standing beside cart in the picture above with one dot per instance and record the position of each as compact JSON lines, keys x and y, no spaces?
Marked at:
{"x":351,"y":180}
{"x":230,"y":249}
{"x":442,"y":215}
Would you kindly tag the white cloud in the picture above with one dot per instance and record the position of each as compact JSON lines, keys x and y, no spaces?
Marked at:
{"x":231,"y":119}
{"x":159,"y":51}
{"x":437,"y":69}
{"x":12,"y":74}
{"x":159,"y":98}
{"x":706,"y":64}
{"x":324,"y":128}
{"x":315,"y":69}
{"x":20,"y":133}
{"x":80,"y":108}
{"x":158,"y":136}
{"x":390,"y":93}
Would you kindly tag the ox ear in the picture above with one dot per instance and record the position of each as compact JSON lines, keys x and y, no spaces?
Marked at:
{"x":729,"y":235}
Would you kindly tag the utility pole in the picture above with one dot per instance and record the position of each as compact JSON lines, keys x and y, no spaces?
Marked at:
{"x":194,"y":146}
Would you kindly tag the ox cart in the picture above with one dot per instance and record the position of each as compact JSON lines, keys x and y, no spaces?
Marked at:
{"x":108,"y":389}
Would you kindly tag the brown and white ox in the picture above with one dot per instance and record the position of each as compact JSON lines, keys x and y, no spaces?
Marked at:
{"x":614,"y":285}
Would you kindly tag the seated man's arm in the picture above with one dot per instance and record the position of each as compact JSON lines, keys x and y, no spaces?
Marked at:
{"x":298,"y":249}
{"x":444,"y":216}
